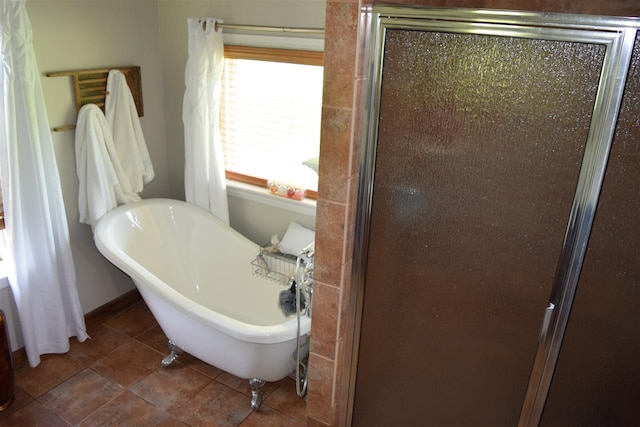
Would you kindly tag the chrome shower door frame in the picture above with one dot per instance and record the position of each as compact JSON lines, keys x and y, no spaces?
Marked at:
{"x":617,"y":35}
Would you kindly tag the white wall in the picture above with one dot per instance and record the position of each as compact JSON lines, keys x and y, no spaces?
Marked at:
{"x":85,"y":34}
{"x":81,"y":34}
{"x":173,"y":15}
{"x":253,"y":219}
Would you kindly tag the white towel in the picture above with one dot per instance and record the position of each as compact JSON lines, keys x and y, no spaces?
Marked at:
{"x":121,"y":113}
{"x":102,"y":183}
{"x":296,"y":239}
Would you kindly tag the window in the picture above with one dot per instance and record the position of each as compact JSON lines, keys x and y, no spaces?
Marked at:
{"x":270,"y":115}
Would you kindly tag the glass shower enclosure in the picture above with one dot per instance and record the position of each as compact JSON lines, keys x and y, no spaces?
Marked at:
{"x":489,"y":291}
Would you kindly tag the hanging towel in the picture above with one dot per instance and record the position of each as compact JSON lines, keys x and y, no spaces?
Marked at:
{"x":121,"y":113}
{"x":102,"y":182}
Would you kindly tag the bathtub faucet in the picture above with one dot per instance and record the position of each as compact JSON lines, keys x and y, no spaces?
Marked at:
{"x":304,"y":275}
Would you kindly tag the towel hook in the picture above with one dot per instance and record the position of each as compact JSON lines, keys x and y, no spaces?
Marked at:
{"x":90,"y":86}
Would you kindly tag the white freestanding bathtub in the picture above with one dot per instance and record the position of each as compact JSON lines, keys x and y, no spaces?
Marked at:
{"x":194,"y":273}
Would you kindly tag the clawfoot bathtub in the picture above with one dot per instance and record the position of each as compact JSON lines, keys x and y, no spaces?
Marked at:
{"x":194,"y":273}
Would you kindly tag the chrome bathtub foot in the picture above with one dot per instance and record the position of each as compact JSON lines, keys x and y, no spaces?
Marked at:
{"x":174,"y":352}
{"x":257,"y":390}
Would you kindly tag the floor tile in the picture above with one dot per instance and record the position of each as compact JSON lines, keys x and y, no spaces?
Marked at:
{"x":32,"y":414}
{"x":242,"y":385}
{"x":200,"y":366}
{"x":156,"y":339}
{"x":171,"y":387}
{"x":312,"y":422}
{"x":217,"y":405}
{"x":76,"y":398}
{"x":126,"y":410}
{"x":52,"y":370}
{"x":116,"y":379}
{"x":268,"y":417}
{"x":103,"y":341}
{"x":134,"y":321}
{"x":172,"y":422}
{"x":21,"y":398}
{"x":285,"y":399}
{"x":129,"y":363}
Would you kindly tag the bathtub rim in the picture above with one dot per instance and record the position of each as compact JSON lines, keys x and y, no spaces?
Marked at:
{"x":141,"y":277}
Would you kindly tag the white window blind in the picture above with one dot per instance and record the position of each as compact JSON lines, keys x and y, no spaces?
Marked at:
{"x":270,"y":118}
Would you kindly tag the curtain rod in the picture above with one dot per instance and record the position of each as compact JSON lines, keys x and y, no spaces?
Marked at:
{"x":269,"y":29}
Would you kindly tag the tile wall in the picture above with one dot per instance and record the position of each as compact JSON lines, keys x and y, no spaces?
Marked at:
{"x":344,"y":36}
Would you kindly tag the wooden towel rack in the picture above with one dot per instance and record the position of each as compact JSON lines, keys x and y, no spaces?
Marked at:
{"x":90,"y":87}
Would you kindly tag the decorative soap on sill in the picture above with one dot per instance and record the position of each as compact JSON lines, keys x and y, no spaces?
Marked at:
{"x":287,"y":190}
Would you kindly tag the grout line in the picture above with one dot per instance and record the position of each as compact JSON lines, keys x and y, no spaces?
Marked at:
{"x":333,"y":202}
{"x":326,"y":284}
{"x":122,"y":389}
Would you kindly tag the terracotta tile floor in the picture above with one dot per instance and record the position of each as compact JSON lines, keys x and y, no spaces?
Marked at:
{"x":116,"y":379}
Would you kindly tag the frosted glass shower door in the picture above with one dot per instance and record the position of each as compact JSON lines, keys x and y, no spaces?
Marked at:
{"x":597,"y":378}
{"x":480,"y":141}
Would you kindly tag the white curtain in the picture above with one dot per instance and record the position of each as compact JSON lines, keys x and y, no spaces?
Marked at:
{"x":204,"y":178}
{"x":39,"y":261}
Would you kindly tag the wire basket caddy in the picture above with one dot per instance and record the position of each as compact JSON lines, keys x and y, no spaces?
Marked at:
{"x":296,"y":272}
{"x":275,"y":265}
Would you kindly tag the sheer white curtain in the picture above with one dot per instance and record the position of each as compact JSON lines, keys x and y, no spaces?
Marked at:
{"x":204,"y":178}
{"x":39,"y":261}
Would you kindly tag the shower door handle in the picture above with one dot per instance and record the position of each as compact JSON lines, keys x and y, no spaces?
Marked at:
{"x":546,"y":321}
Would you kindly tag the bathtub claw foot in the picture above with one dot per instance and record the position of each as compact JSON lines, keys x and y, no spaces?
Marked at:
{"x":174,"y":352}
{"x":257,"y":390}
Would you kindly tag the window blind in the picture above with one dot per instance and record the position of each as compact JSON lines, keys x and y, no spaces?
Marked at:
{"x":270,"y":119}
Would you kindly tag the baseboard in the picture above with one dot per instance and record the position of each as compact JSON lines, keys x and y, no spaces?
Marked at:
{"x":99,"y":315}
{"x":112,"y":308}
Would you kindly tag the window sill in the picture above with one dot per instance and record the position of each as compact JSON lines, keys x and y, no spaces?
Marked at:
{"x":262,"y":195}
